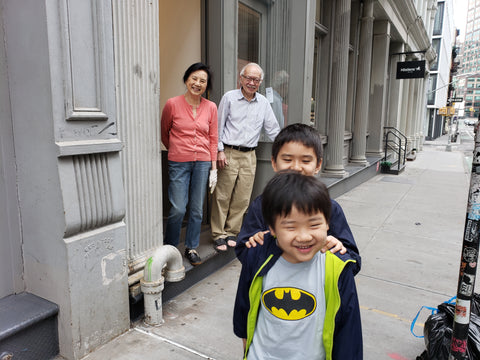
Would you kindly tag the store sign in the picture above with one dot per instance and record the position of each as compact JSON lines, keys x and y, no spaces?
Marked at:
{"x":446,"y":111}
{"x":443,"y":111}
{"x":411,"y":69}
{"x":459,"y":99}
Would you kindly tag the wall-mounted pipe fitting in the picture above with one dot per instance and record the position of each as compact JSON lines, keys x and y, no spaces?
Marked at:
{"x":152,"y":283}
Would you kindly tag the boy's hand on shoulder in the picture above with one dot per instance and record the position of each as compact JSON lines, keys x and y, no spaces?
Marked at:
{"x":334,"y":245}
{"x":257,"y":238}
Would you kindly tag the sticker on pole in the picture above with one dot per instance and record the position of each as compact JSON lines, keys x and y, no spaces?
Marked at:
{"x":471,"y":231}
{"x":470,"y":254}
{"x":466,"y":285}
{"x":462,"y":311}
{"x":473,"y":207}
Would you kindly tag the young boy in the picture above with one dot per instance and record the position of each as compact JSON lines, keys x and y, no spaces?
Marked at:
{"x":293,"y":301}
{"x":297,"y":147}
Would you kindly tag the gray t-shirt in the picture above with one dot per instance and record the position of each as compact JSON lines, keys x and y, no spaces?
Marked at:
{"x":292,"y":312}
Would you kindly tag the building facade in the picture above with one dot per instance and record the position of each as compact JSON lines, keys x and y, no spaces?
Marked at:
{"x":468,"y":78}
{"x":443,"y":41}
{"x":83,"y":83}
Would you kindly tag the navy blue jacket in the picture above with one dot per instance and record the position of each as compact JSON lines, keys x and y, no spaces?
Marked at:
{"x":338,"y":227}
{"x":345,"y":339}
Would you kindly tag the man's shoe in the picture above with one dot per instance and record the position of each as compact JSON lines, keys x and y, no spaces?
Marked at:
{"x":231,"y":241}
{"x":193,"y":257}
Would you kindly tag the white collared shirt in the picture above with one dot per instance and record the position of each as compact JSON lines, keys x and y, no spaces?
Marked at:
{"x":240,"y":121}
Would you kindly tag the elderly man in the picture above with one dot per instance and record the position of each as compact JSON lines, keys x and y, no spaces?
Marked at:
{"x":242,"y":114}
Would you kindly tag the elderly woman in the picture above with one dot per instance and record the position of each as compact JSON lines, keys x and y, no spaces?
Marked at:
{"x":190,"y":133}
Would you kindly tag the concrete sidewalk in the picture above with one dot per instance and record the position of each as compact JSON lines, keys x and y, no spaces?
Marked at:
{"x":409,"y":229}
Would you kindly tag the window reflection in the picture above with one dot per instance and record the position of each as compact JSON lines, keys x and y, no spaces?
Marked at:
{"x":319,"y":12}
{"x":280,"y":97}
{"x":264,"y":38}
{"x":248,"y":35}
{"x":438,"y":24}
{"x":431,"y":91}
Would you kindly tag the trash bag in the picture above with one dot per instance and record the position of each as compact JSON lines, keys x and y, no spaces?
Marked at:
{"x":476,"y":304}
{"x":439,"y":328}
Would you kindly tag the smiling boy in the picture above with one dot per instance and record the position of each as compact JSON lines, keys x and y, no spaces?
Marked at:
{"x":298,"y":147}
{"x":293,"y":301}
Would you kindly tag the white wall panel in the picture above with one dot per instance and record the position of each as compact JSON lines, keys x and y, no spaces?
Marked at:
{"x":136,"y":37}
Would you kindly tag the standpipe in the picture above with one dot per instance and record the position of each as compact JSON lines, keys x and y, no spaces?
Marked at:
{"x":152,"y":284}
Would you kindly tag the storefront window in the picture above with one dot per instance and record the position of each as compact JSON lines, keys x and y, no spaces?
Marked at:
{"x":431,"y":89}
{"x":319,"y":12}
{"x":263,"y":38}
{"x":438,"y":24}
{"x":248,"y":35}
{"x":436,"y":47}
{"x":320,"y":74}
{"x":316,"y":101}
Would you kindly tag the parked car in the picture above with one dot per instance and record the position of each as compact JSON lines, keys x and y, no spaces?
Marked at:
{"x":470,"y":121}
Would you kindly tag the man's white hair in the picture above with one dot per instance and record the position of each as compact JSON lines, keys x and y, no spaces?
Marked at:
{"x":252,"y":64}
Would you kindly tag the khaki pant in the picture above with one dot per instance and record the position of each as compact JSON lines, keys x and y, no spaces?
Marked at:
{"x":231,"y":197}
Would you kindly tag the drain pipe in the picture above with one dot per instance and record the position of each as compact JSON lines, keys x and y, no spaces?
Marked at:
{"x":152,"y":283}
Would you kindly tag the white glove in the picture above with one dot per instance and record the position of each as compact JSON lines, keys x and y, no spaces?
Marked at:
{"x":212,"y":180}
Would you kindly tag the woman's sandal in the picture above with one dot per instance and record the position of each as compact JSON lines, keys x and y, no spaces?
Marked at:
{"x":220,"y":245}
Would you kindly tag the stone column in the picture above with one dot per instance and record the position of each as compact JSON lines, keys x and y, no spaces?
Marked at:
{"x":396,"y":89}
{"x":423,"y":115}
{"x":404,"y":106}
{"x":416,"y":114}
{"x":420,"y":113}
{"x":341,"y":33}
{"x":378,"y":86}
{"x":363,"y":86}
{"x":409,"y":121}
{"x":136,"y":38}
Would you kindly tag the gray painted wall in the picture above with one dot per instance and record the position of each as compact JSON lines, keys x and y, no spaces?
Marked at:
{"x":11,"y":266}
{"x":68,"y":169}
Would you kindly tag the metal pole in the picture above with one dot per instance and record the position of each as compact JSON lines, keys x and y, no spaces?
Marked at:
{"x":468,"y":264}
{"x":449,"y":122}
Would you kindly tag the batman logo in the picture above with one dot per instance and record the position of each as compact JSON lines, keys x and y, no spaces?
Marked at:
{"x":289,"y":303}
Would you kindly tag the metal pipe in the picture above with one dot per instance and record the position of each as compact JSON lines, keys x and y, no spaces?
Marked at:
{"x":152,"y":284}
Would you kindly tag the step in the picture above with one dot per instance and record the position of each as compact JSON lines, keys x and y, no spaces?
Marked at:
{"x":394,"y":169}
{"x":357,"y":175}
{"x":28,"y":327}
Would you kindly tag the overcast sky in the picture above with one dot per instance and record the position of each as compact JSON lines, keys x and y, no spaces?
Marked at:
{"x":460,"y":16}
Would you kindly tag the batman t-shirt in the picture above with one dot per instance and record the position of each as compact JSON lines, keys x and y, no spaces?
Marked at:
{"x":292,"y":312}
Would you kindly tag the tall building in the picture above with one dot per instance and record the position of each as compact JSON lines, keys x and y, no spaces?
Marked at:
{"x":443,"y":37}
{"x":468,"y":78}
{"x":471,"y":59}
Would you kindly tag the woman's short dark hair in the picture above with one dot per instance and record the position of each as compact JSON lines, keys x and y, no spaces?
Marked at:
{"x":199,"y":66}
{"x":299,"y":133}
{"x":290,"y":188}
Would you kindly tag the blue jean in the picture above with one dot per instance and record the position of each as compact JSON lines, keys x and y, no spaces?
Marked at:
{"x":188,"y":180}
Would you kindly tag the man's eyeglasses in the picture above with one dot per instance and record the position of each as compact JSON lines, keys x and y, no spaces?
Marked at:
{"x":256,"y":81}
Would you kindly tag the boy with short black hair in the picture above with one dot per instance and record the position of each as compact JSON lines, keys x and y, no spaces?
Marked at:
{"x":297,"y":147}
{"x":293,"y":301}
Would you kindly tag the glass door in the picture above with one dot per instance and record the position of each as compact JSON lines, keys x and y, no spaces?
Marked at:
{"x":263,"y":38}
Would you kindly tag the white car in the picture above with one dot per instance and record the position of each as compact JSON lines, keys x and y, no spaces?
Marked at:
{"x":470,"y":121}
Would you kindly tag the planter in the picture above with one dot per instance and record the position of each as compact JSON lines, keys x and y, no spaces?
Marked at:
{"x":385,"y":166}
